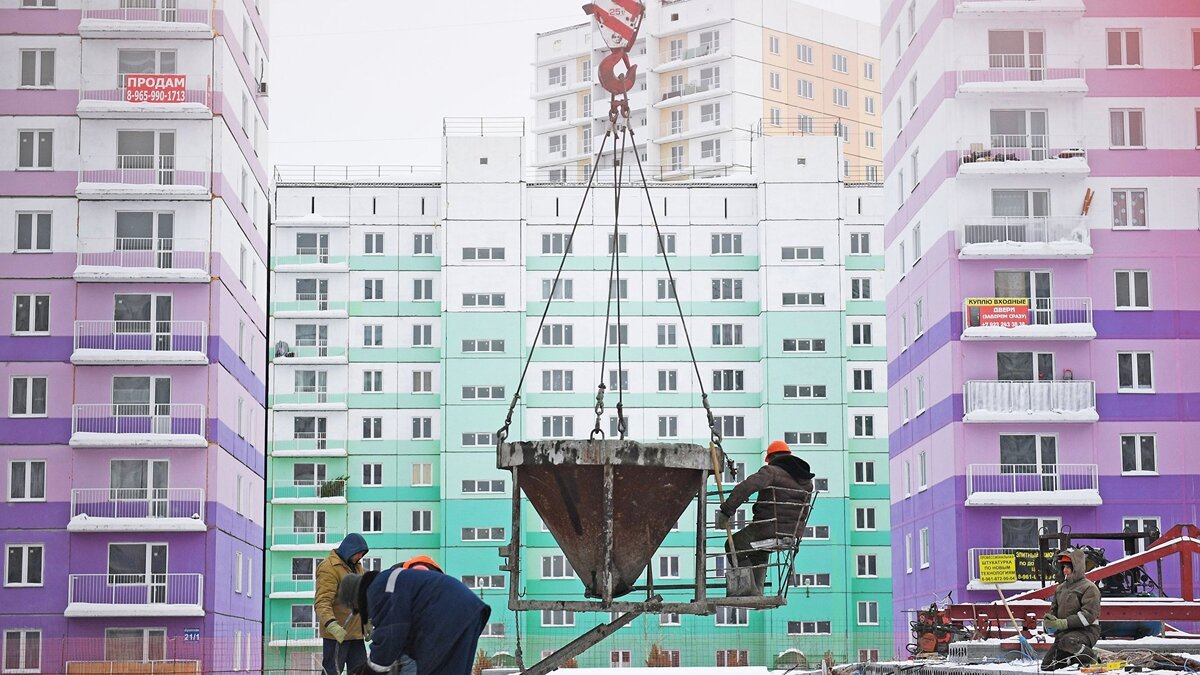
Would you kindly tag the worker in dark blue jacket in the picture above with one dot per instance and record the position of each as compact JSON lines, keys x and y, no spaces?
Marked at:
{"x":429,"y":616}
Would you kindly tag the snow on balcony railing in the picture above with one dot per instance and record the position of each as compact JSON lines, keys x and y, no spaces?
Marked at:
{"x":316,"y":489}
{"x":1024,"y":68}
{"x":144,"y":253}
{"x":136,"y":589}
{"x":157,"y":170}
{"x":1042,"y":312}
{"x":1024,"y":230}
{"x":160,"y":11}
{"x":138,"y":418}
{"x":1021,"y":148}
{"x":306,"y":536}
{"x":1029,"y":397}
{"x":140,"y":503}
{"x":312,"y":351}
{"x":292,"y":583}
{"x":1013,"y":478}
{"x":161,"y":336}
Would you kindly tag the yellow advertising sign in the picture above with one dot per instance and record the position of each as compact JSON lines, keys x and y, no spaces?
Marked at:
{"x":998,"y":568}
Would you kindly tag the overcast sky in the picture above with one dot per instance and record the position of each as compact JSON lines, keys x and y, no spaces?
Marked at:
{"x":369,"y":81}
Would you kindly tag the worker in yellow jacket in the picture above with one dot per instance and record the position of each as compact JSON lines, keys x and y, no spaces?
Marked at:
{"x":342,"y":636}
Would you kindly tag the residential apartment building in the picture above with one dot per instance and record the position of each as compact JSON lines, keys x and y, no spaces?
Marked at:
{"x":713,"y":77}
{"x":1042,"y":176}
{"x":133,"y":228}
{"x":405,"y":307}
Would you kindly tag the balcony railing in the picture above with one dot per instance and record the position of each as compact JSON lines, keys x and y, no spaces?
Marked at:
{"x":693,"y":87}
{"x":158,"y":336}
{"x":311,"y":256}
{"x":1020,"y":68}
{"x":1018,"y":5}
{"x":1024,"y":230}
{"x":681,"y":54}
{"x":121,"y":95}
{"x":139,"y":503}
{"x":1041,"y":312}
{"x":146,"y":170}
{"x":307,"y":537}
{"x":1051,"y":400}
{"x":136,"y":589}
{"x":574,"y":174}
{"x":282,"y":633}
{"x":309,"y":490}
{"x":1021,"y":148}
{"x":292,"y":584}
{"x":310,"y":396}
{"x":138,"y":418}
{"x":313,"y":445}
{"x":161,"y":11}
{"x":1035,"y":478}
{"x":312,"y":351}
{"x":156,"y":253}
{"x":311,"y":302}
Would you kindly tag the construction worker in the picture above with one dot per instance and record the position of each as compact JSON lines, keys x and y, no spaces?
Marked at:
{"x":1074,"y":614}
{"x":407,"y":666}
{"x":420,"y":613}
{"x":341,"y":634}
{"x":784,"y":486}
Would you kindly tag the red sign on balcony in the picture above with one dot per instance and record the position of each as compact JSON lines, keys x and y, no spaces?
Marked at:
{"x":146,"y":88}
{"x":998,"y":312}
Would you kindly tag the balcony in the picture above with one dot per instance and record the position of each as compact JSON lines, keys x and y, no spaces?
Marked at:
{"x":305,"y":539}
{"x":1001,"y":8}
{"x":309,"y":398}
{"x":1023,"y":154}
{"x":311,"y":445}
{"x":137,"y":510}
{"x":138,"y":425}
{"x":671,"y":59}
{"x":1033,"y":485}
{"x":1021,"y":74}
{"x":126,"y":342}
{"x":291,"y":635}
{"x":1030,"y":401}
{"x":309,"y":492}
{"x":1028,"y":576}
{"x":144,"y":177}
{"x":311,"y":260}
{"x":135,"y":595}
{"x":690,"y":92}
{"x":1036,"y":319}
{"x":142,"y":259}
{"x":149,"y":19}
{"x":309,"y":354}
{"x":311,"y":305}
{"x":174,"y":96}
{"x":292,"y":586}
{"x":1024,"y":237}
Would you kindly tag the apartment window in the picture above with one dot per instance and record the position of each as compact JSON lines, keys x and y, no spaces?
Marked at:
{"x":563,"y":290}
{"x":805,"y":437}
{"x":666,"y":242}
{"x":864,"y":473}
{"x":733,"y":616}
{"x":1196,"y":48}
{"x":422,"y":290}
{"x":775,"y":80}
{"x":1127,"y":128}
{"x":711,"y":149}
{"x":556,"y":243}
{"x":676,"y":157}
{"x":860,"y":243}
{"x":372,"y":381}
{"x":28,"y":397}
{"x":803,"y":299}
{"x":804,"y":89}
{"x":37,"y":68}
{"x":35,"y":149}
{"x":372,"y":428}
{"x":866,"y":565}
{"x":483,"y":299}
{"x":1129,"y":208}
{"x":860,"y":288}
{"x":923,"y":547}
{"x":558,"y":380}
{"x":726,"y":334}
{"x":816,"y":532}
{"x":668,"y":380}
{"x":24,"y":565}
{"x":1133,"y":289}
{"x":488,"y":393}
{"x":586,"y":145}
{"x":618,"y":334}
{"x":622,"y":243}
{"x":373,"y":243}
{"x":558,"y":617}
{"x":841,"y":64}
{"x":773,"y":44}
{"x":668,"y":426}
{"x":483,"y":253}
{"x":912,"y":95}
{"x":422,"y":335}
{"x":920,"y":394}
{"x":422,"y":244}
{"x":558,"y":334}
{"x":31,"y":314}
{"x":868,"y":71}
{"x":558,"y":426}
{"x":27,"y":480}
{"x":422,"y":381}
{"x":728,"y":380}
{"x":618,"y":380}
{"x":666,"y":336}
{"x":804,"y":391}
{"x":23,"y":648}
{"x":868,"y":613}
{"x":482,"y":534}
{"x":864,"y":426}
{"x":483,"y":486}
{"x":860,"y":334}
{"x":556,"y":567}
{"x":810,"y":580}
{"x":804,"y":124}
{"x":1135,"y":372}
{"x":558,"y":110}
{"x":864,"y":518}
{"x":726,"y":244}
{"x":841,"y":97}
{"x":863,"y":379}
{"x":372,"y":474}
{"x":710,"y":113}
{"x":422,"y":521}
{"x":483,"y":346}
{"x":33,"y":232}
{"x":804,"y":53}
{"x":731,"y":426}
{"x":802,"y":253}
{"x":908,"y":567}
{"x":1139,"y":454}
{"x":557,"y":145}
{"x":556,"y":76}
{"x":1124,"y":48}
{"x":776,"y":117}
{"x":668,"y":567}
{"x":810,"y":627}
{"x":422,"y":474}
{"x":422,"y":428}
{"x":815,"y":345}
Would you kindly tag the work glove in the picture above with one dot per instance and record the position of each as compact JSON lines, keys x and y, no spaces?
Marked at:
{"x":722,"y":520}
{"x":1051,"y":622}
{"x":367,"y":630}
{"x":335,"y":629}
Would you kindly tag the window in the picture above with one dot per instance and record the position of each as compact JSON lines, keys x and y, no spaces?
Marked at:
{"x":803,"y":345}
{"x":28,"y":397}
{"x":726,"y":334}
{"x":483,"y":253}
{"x":1127,"y":128}
{"x":422,"y":474}
{"x":558,"y":380}
{"x":864,"y":518}
{"x":816,"y":532}
{"x":866,"y":565}
{"x":23,"y":648}
{"x":1135,"y":372}
{"x":24,"y":565}
{"x":666,"y":244}
{"x":923,"y":537}
{"x":860,"y":243}
{"x":372,"y":428}
{"x":563,"y":290}
{"x":422,"y":335}
{"x":710,"y":113}
{"x":558,"y":334}
{"x":556,"y":76}
{"x":668,"y":567}
{"x":803,"y":299}
{"x":841,"y":97}
{"x":860,"y":334}
{"x":556,"y":243}
{"x":666,"y":334}
{"x":868,"y":71}
{"x":372,"y":475}
{"x":864,"y":473}
{"x":810,"y":580}
{"x":483,"y":486}
{"x":668,"y":380}
{"x":668,"y":426}
{"x":618,"y":288}
{"x":860,"y":288}
{"x":804,"y":53}
{"x":863,"y":379}
{"x":37,"y":68}
{"x":33,"y":232}
{"x":27,"y":480}
{"x":912,"y":95}
{"x":804,"y":391}
{"x":802,"y":253}
{"x":618,"y":334}
{"x":810,"y":627}
{"x":841,"y":64}
{"x":556,"y":567}
{"x":1124,"y":48}
{"x":483,"y":346}
{"x":618,"y":380}
{"x":35,"y":149}
{"x":1196,"y":48}
{"x":422,"y":521}
{"x":422,"y":290}
{"x":805,"y":437}
{"x":731,"y":426}
{"x":710,"y":41}
{"x":422,"y":381}
{"x":1129,"y":208}
{"x":558,"y":110}
{"x":1138,"y":454}
{"x":483,"y":534}
{"x":372,"y":381}
{"x":773,"y":44}
{"x":558,"y":617}
{"x":422,"y":428}
{"x":711,"y":149}
{"x":775,"y":80}
{"x":422,"y":244}
{"x":1133,"y":289}
{"x":31,"y":314}
{"x":776,"y":116}
{"x":558,"y":426}
{"x":669,"y":619}
{"x":920,"y":394}
{"x":373,"y":243}
{"x":804,"y":89}
{"x":908,"y":568}
{"x":728,"y":380}
{"x":868,"y":613}
{"x":622,"y":243}
{"x":922,"y":471}
{"x":557,"y":145}
{"x":733,"y":616}
{"x":1151,"y":526}
{"x":483,"y":299}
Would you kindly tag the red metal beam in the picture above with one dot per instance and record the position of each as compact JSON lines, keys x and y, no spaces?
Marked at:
{"x":1125,"y":611}
{"x":1184,"y":546}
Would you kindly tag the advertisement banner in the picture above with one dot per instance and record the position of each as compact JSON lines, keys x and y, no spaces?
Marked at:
{"x":998,"y":312}
{"x":997,"y":569}
{"x":148,"y":88}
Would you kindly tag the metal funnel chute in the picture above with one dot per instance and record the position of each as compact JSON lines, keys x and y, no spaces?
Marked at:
{"x":608,"y":503}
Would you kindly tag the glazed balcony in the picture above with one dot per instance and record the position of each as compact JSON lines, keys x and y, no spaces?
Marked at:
{"x":137,"y":342}
{"x":1041,"y":319}
{"x":292,"y":586}
{"x":306,"y":538}
{"x":293,"y":635}
{"x":135,"y":595}
{"x":134,"y":425}
{"x":1022,"y":154}
{"x":1021,"y":73}
{"x":1030,"y":401}
{"x":144,"y":177}
{"x":137,"y":510}
{"x":149,"y":18}
{"x":309,"y":492}
{"x":1023,"y":237}
{"x":142,"y":259}
{"x":1033,"y":485}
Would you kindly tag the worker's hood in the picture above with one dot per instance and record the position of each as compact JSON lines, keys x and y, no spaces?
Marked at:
{"x":797,"y":468}
{"x":353,"y":543}
{"x":1078,"y":564}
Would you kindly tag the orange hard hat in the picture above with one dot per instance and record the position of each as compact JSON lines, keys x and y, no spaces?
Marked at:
{"x":1065,"y":557}
{"x":423,"y":561}
{"x":778,"y":446}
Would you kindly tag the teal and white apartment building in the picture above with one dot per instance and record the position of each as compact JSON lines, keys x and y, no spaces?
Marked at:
{"x":403,"y":304}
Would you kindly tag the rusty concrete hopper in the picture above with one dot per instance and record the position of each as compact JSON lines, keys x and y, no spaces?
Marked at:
{"x":608,"y":503}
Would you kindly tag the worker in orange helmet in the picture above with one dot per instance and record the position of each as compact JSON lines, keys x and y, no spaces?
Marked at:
{"x":421,"y":562}
{"x":1074,"y":614}
{"x":784,"y":486}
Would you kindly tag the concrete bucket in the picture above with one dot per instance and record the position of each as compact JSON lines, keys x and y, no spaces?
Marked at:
{"x":608,"y":503}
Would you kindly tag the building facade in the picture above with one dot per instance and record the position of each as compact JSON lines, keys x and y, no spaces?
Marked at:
{"x":1042,"y":176}
{"x":404,"y":309}
{"x":133,"y":228}
{"x":713,"y":77}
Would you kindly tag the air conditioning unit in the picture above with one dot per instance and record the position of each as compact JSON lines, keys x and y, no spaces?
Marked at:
{"x":262,"y":88}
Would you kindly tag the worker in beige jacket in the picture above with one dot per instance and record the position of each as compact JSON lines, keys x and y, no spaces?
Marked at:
{"x":341,"y":632}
